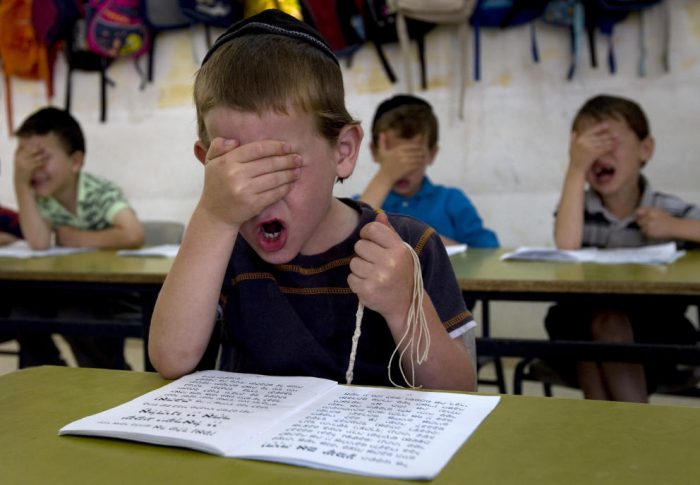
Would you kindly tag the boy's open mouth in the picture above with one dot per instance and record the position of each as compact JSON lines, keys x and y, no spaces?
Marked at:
{"x":271,"y":230}
{"x":602,"y":172}
{"x":272,"y":235}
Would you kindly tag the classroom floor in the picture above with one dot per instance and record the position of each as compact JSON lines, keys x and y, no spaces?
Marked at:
{"x":134,"y":355}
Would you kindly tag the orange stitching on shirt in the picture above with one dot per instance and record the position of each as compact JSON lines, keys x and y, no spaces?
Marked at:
{"x":312,"y":271}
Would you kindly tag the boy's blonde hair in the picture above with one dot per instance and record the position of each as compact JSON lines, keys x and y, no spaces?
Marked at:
{"x":268,"y":72}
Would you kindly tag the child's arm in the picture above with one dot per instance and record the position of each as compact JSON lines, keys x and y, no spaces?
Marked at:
{"x":6,"y":238}
{"x":382,"y":277}
{"x":584,"y":149}
{"x":658,"y":224}
{"x":234,"y":192}
{"x":36,"y":229}
{"x":394,"y":163}
{"x":126,"y":232}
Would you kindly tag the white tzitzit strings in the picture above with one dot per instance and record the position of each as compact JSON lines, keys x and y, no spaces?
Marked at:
{"x":416,"y":338}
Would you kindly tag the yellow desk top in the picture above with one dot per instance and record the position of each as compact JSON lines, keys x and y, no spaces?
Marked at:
{"x":93,"y":267}
{"x":525,"y":440}
{"x":482,"y":270}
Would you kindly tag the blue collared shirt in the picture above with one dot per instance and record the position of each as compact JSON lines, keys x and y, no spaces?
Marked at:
{"x":448,"y":210}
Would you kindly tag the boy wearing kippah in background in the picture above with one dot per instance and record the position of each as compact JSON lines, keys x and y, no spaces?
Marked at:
{"x":287,"y":262}
{"x":404,"y":143}
{"x":606,"y":202}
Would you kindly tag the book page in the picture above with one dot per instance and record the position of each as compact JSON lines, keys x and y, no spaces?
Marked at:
{"x":375,"y":431}
{"x":208,"y":411}
{"x":20,"y":249}
{"x":655,"y":254}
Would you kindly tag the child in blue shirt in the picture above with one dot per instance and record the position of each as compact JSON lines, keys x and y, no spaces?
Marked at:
{"x":404,"y":143}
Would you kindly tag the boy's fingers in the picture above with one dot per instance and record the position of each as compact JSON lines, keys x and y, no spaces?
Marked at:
{"x":384,"y":219}
{"x":220,"y":146}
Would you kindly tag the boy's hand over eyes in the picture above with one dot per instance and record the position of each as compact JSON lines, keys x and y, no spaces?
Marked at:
{"x":589,"y":145}
{"x":401,"y":159}
{"x":242,"y":180}
{"x":28,"y":159}
{"x":382,"y":271}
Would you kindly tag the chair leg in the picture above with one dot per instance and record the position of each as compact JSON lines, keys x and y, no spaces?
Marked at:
{"x":518,"y":376}
{"x":500,"y":375}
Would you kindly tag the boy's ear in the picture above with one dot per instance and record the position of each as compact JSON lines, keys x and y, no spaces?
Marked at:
{"x":433,"y":153}
{"x":347,"y":149}
{"x":647,"y":149}
{"x":77,"y":160}
{"x":200,"y":151}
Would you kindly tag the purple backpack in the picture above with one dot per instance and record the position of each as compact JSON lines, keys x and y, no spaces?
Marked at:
{"x":116,"y":28}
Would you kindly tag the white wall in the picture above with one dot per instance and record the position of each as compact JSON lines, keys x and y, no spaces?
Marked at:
{"x":508,"y":154}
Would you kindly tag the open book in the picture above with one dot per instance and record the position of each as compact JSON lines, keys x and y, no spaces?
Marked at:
{"x":656,"y":254}
{"x":299,"y":420}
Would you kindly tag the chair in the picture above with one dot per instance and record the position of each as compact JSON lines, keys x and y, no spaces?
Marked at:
{"x":453,"y":12}
{"x":163,"y":232}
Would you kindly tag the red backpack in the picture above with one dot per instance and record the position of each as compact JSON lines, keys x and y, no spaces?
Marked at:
{"x":22,"y":54}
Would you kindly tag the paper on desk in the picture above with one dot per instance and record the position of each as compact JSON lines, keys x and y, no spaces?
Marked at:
{"x":164,"y":250}
{"x":456,"y":249}
{"x":20,"y":249}
{"x":655,"y":254}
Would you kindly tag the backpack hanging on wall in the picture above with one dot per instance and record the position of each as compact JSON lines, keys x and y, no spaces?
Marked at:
{"x":603,"y":15}
{"x":570,"y":15}
{"x":23,"y":55}
{"x":116,"y":28}
{"x":291,"y":7}
{"x":53,"y":20}
{"x":502,"y":14}
{"x":161,"y":15}
{"x":338,"y":21}
{"x":380,"y":28}
{"x":212,"y":13}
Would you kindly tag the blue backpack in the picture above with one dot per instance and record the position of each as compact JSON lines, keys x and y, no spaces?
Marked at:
{"x":502,"y":14}
{"x":603,"y":15}
{"x":570,"y":15}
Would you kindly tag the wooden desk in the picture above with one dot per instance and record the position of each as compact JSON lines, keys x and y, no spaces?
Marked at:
{"x":482,"y":275}
{"x":525,"y":440}
{"x":98,"y":270}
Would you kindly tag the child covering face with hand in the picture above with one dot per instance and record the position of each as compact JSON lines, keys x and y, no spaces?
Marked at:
{"x":285,"y":263}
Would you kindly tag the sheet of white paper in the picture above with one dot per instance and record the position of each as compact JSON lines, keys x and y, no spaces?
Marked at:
{"x":210,"y":411}
{"x":20,"y":249}
{"x":164,"y":250}
{"x":655,"y":254}
{"x":456,"y":249}
{"x":378,"y":432}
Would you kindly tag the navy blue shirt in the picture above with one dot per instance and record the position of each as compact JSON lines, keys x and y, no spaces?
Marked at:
{"x":9,"y":222}
{"x":298,"y":318}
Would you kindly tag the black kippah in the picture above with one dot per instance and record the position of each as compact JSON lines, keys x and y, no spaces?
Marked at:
{"x":396,"y":101}
{"x":273,"y":21}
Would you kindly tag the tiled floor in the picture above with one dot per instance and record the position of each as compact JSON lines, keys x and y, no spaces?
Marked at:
{"x":134,"y":355}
